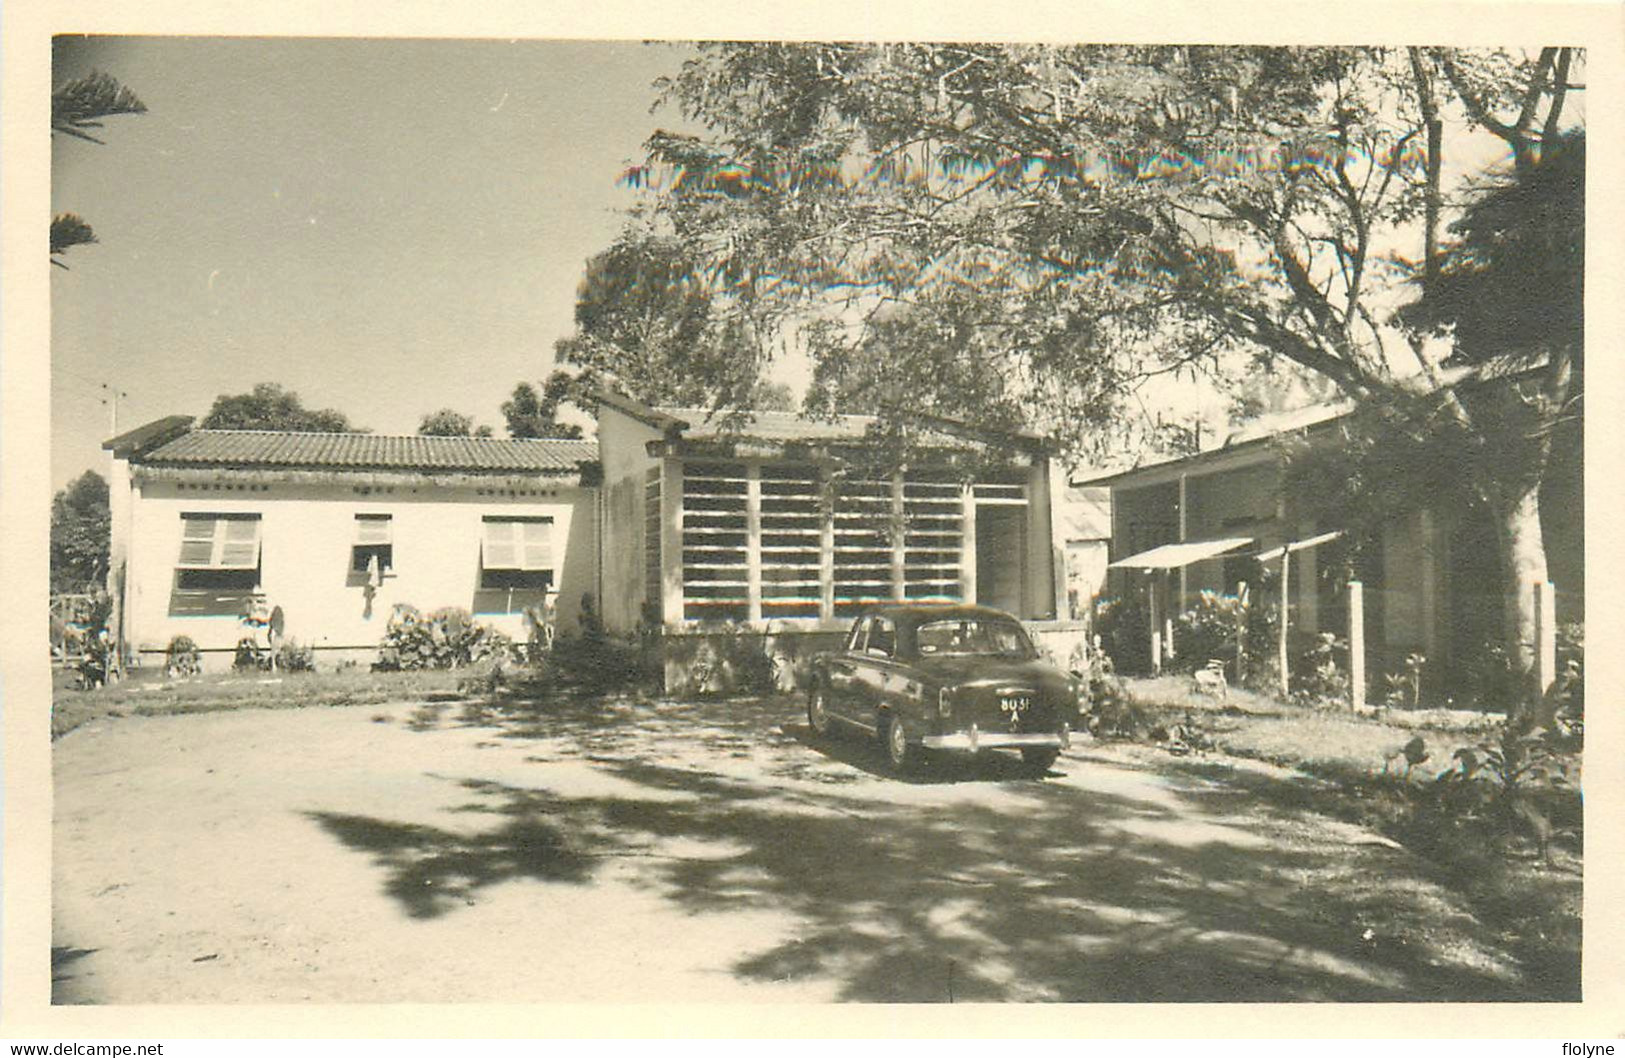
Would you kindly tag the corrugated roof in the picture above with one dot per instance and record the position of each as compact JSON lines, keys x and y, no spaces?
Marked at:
{"x":270,"y":448}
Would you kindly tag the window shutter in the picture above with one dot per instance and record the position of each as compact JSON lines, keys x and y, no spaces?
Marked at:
{"x":501,"y":545}
{"x":240,"y":549}
{"x":197,"y":542}
{"x":537,"y":545}
{"x":372,"y":529}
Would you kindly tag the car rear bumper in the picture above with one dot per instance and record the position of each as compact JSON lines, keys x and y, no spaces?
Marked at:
{"x":972,"y":740}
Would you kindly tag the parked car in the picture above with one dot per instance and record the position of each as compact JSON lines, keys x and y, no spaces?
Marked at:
{"x":964,"y":678}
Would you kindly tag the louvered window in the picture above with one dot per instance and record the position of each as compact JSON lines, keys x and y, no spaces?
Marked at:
{"x":516,"y":553}
{"x":220,"y":541}
{"x":374,"y":539}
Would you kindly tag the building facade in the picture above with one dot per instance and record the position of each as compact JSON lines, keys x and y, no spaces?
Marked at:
{"x":336,"y":529}
{"x":776,"y":530}
{"x":1221,"y":521}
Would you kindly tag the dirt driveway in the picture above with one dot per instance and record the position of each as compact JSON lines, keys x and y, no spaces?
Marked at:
{"x":645,"y":852}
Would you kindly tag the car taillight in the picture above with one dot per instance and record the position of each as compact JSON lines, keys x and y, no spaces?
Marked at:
{"x":945,"y":702}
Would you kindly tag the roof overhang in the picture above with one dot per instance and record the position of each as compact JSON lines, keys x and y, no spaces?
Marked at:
{"x":1178,"y":556}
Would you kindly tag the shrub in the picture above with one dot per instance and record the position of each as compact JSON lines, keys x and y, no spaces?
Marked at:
{"x":1208,"y":630}
{"x":444,"y":639}
{"x":1320,"y":671}
{"x":250,"y":656}
{"x":291,"y":656}
{"x":1121,"y":624}
{"x":181,"y":658}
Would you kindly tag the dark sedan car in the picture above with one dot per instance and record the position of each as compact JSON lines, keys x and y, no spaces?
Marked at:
{"x":946,"y":678}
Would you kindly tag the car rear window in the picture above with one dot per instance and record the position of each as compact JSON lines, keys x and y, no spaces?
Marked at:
{"x":971,"y":636}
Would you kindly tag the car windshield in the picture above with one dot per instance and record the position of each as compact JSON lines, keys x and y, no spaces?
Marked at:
{"x":973,"y":635}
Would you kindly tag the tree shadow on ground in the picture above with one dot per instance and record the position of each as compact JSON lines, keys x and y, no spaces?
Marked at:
{"x":64,"y":973}
{"x":1047,"y":891}
{"x":430,"y":871}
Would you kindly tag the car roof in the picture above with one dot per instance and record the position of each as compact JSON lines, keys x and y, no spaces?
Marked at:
{"x":919,"y":613}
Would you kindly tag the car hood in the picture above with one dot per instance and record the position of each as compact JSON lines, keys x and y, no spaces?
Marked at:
{"x":985,"y":670}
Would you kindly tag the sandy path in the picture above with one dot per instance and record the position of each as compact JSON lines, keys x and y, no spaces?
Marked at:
{"x":354,"y":855}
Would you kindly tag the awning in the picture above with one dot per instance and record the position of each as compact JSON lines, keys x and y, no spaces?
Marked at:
{"x":1298,"y":545}
{"x":1177,"y":556}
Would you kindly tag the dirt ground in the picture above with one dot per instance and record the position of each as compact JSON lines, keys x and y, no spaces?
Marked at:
{"x":648,"y":852}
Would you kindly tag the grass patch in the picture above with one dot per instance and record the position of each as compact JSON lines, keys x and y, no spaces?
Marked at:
{"x":153,"y":695}
{"x":1365,"y":778}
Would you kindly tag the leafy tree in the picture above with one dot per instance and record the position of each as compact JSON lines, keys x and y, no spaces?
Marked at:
{"x":270,"y":407}
{"x":80,"y":527}
{"x":533,"y":414}
{"x":1064,"y":223}
{"x":76,"y":106}
{"x":645,"y":325}
{"x":448,"y":423}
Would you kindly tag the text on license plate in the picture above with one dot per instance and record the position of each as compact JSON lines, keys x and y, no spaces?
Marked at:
{"x":1015,"y":703}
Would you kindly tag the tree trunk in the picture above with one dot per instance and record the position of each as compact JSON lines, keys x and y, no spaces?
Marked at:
{"x":1523,"y":553}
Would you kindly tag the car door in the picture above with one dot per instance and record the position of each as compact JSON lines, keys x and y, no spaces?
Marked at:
{"x":845,"y":695}
{"x":877,"y":678}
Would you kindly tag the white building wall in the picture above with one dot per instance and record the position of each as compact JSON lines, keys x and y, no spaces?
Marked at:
{"x":307,"y":532}
{"x":622,"y":447}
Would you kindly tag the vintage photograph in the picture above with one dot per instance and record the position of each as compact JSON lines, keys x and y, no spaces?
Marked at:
{"x":589,"y":521}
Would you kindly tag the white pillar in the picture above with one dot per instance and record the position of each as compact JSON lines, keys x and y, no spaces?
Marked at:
{"x":753,"y":542}
{"x":1545,"y":635}
{"x":1286,"y":610}
{"x":1356,"y":644}
{"x":826,"y":547}
{"x":967,"y":543}
{"x":899,"y":523}
{"x":671,"y":542}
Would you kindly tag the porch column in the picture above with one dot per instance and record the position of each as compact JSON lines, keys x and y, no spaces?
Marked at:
{"x":753,"y":541}
{"x":1152,"y":582}
{"x":1356,"y":644}
{"x":826,"y":547}
{"x":671,"y":542}
{"x":967,"y":542}
{"x":1428,"y":586}
{"x":1545,"y":635}
{"x":899,"y":523}
{"x":1184,"y":534}
{"x":1286,"y":621}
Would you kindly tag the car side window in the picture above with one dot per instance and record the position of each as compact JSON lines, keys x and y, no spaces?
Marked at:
{"x":882,"y":638}
{"x":860,"y":629}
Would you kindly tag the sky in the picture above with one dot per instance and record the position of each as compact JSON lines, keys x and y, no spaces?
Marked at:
{"x":387,"y":227}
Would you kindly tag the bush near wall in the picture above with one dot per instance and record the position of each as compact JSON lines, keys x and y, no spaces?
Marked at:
{"x":444,"y":639}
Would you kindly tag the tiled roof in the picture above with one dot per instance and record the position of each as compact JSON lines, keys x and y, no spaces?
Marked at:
{"x":270,"y":448}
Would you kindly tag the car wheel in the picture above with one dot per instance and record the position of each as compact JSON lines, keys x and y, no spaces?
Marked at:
{"x":818,"y":709}
{"x":1039,"y":760}
{"x":894,"y":739}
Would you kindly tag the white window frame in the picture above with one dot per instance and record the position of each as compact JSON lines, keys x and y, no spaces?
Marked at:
{"x":528,"y":546}
{"x":386,"y":540}
{"x":221,"y":541}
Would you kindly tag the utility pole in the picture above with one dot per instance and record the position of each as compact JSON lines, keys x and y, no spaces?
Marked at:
{"x":111,"y":400}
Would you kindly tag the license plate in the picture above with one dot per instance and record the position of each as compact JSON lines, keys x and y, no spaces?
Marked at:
{"x":1015,"y":704}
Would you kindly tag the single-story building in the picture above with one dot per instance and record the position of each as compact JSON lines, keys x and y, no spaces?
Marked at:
{"x":772,"y":530}
{"x":1432,"y":585}
{"x":336,"y":529}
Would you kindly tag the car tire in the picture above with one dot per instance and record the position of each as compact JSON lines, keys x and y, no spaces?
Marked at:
{"x":894,"y":743}
{"x":818,"y":709}
{"x":1038,"y":761}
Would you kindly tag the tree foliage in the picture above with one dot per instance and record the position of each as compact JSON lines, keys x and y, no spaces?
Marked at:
{"x":79,"y":534}
{"x":535,"y":414}
{"x":1068,"y":221}
{"x":1060,"y":225}
{"x":645,"y":325}
{"x":76,"y":106}
{"x":270,"y":407}
{"x":449,"y":423}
